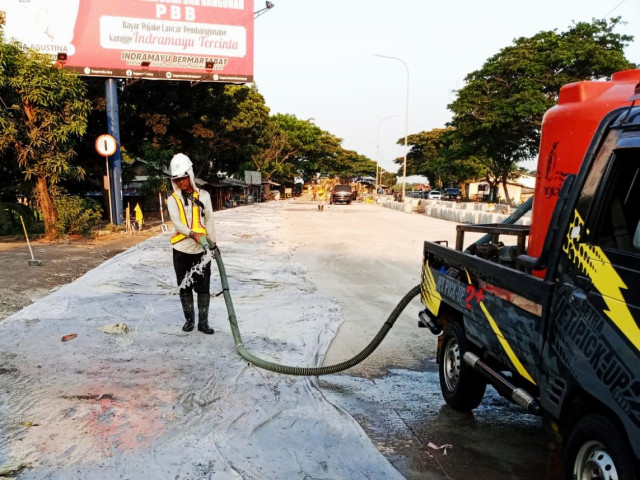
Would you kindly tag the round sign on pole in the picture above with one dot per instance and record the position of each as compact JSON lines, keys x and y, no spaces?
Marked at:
{"x":106,"y":145}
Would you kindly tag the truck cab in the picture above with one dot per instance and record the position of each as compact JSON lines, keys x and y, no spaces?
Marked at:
{"x":590,"y":362}
{"x":557,"y":331}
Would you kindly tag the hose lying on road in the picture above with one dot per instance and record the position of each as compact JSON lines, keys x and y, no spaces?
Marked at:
{"x":307,"y":371}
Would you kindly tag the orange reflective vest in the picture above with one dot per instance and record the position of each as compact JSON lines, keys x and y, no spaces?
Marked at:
{"x":194,"y":224}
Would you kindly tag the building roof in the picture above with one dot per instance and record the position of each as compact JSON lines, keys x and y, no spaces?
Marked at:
{"x":234,"y":182}
{"x":527,"y":181}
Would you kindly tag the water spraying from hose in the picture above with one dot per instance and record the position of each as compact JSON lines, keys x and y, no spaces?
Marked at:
{"x":197,"y":269}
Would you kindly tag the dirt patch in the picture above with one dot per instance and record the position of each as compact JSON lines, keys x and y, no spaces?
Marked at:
{"x":62,"y":261}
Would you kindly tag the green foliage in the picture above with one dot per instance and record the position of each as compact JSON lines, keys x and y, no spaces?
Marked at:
{"x":216,"y":125}
{"x":282,"y":146}
{"x":115,"y":228}
{"x":10,"y":223}
{"x":290,"y":146}
{"x":432,"y":154}
{"x":77,"y":215}
{"x":42,"y":114}
{"x":156,"y":162}
{"x":46,"y":112}
{"x":347,"y":163}
{"x":389,"y":179}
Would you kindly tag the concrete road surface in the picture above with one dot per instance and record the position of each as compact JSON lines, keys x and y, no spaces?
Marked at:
{"x":367,"y":257}
{"x":310,"y":287}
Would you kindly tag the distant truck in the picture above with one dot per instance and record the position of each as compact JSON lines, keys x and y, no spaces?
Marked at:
{"x":554,"y":326}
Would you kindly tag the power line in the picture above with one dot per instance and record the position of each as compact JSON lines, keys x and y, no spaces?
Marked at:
{"x":614,"y":8}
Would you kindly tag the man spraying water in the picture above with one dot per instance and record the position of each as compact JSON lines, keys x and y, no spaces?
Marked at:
{"x":191,"y":213}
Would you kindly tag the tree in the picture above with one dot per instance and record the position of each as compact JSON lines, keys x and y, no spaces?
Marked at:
{"x":388,"y":179}
{"x":43,"y":112}
{"x":274,"y":150}
{"x":220,"y":127}
{"x":497,"y":115}
{"x":349,"y":163}
{"x":322,"y":155}
{"x":291,"y":146}
{"x":216,"y":125}
{"x":431,"y":154}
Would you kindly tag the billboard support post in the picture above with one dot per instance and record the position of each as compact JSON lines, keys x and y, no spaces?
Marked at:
{"x":115,"y":164}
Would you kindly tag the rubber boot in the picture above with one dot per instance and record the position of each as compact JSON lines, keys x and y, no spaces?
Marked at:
{"x":203,"y":313}
{"x":186,"y":298}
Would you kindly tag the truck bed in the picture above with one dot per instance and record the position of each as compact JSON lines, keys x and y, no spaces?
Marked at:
{"x":502,"y":276}
{"x":501,"y":307}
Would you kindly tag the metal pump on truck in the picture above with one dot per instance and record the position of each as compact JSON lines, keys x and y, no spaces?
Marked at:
{"x":555,"y":329}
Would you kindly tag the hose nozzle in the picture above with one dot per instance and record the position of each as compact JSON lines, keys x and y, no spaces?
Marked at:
{"x":204,"y":241}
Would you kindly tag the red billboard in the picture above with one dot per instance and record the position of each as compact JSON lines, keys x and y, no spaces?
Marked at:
{"x":196,"y":40}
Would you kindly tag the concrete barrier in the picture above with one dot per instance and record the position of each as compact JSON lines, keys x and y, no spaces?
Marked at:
{"x":463,"y":212}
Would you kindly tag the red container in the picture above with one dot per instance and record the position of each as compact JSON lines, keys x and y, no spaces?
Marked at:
{"x":567,"y":130}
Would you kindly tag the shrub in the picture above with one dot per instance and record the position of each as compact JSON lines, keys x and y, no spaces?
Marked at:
{"x":10,"y":224}
{"x":114,"y":228}
{"x":77,"y":215}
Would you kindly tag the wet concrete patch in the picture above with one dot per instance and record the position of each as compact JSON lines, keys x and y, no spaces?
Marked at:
{"x":405,"y":416}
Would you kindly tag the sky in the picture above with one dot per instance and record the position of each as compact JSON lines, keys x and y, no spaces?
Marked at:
{"x":316,"y":59}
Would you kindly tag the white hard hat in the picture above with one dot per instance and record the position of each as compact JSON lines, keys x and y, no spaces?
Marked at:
{"x":180,"y":165}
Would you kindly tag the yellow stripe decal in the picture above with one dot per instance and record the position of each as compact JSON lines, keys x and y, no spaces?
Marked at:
{"x":430,"y":296}
{"x":595,"y":264}
{"x":503,"y":341}
{"x":507,"y":348}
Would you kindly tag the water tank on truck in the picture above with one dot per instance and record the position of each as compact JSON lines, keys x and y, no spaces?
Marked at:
{"x":567,"y":131}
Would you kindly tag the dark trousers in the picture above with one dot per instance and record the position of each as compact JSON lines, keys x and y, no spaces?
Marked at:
{"x":183,"y":263}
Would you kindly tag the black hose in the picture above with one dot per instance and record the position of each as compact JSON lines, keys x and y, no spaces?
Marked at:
{"x":510,"y":220}
{"x":306,"y":371}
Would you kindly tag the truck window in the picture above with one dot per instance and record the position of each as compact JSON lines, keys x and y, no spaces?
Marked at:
{"x":619,"y":203}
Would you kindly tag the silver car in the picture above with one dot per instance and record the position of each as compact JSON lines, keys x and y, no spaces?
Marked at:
{"x":434,"y":195}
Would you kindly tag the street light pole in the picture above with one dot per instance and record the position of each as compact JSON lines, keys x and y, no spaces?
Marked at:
{"x":406,"y":125}
{"x":378,"y":149}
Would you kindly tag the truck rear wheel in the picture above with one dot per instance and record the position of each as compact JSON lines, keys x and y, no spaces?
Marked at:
{"x":596,"y":450}
{"x":461,"y":386}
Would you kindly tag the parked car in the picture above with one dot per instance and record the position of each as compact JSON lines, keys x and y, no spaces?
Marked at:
{"x":341,"y":194}
{"x":434,"y":195}
{"x":452,"y":193}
